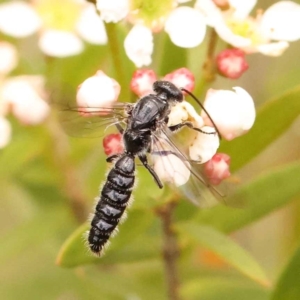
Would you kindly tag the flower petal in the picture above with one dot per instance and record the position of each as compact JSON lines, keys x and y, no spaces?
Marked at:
{"x":281,"y":21}
{"x":8,"y":57}
{"x":171,"y":169}
{"x":183,"y":112}
{"x":113,"y":11}
{"x":97,"y":91}
{"x":229,"y":36}
{"x":60,"y":43}
{"x":209,"y":10}
{"x":232,"y":112}
{"x":242,"y":8}
{"x":186,"y":27}
{"x":273,"y":49}
{"x":24,"y":97}
{"x":90,"y":26}
{"x":139,"y":45}
{"x":18,"y":19}
{"x":205,"y":145}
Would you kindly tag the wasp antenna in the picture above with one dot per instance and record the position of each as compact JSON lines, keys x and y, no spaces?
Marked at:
{"x":202,"y":106}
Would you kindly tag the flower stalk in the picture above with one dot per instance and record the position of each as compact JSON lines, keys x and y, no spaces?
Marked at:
{"x":209,"y":64}
{"x":170,"y":249}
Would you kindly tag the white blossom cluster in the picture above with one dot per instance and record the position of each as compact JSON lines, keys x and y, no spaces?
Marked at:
{"x":23,"y":96}
{"x":268,"y":33}
{"x":61,"y":24}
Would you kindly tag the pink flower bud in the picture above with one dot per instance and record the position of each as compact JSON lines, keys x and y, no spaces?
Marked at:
{"x":217,"y":168}
{"x":182,"y":78}
{"x":142,"y":81}
{"x":98,"y":91}
{"x":231,"y":63}
{"x":112,"y":144}
{"x":222,"y":4}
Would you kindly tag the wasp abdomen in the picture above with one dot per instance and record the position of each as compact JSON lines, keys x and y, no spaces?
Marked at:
{"x":113,"y":200}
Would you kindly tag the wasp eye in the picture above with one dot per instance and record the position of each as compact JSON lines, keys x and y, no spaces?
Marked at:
{"x":168,"y":89}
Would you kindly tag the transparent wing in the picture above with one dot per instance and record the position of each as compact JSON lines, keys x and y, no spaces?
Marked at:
{"x":173,"y":165}
{"x":92,"y":122}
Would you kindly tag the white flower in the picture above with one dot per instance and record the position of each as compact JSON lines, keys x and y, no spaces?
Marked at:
{"x":90,"y":27}
{"x":97,"y":91}
{"x":69,"y":44}
{"x":205,"y":145}
{"x":113,"y":11}
{"x":5,"y":132}
{"x":60,"y":24}
{"x":186,"y":27}
{"x":139,"y":45}
{"x":8,"y":57}
{"x":280,"y":22}
{"x":23,"y":94}
{"x":232,"y":112}
{"x":18,"y":19}
{"x":184,"y":112}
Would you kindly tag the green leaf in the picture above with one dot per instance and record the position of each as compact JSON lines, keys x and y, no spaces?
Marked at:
{"x":288,"y":287}
{"x":224,"y":288}
{"x":226,"y":248}
{"x":273,"y":119}
{"x":123,"y":247}
{"x":263,"y":195}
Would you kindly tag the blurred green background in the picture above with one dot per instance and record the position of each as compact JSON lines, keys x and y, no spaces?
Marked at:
{"x":48,"y":182}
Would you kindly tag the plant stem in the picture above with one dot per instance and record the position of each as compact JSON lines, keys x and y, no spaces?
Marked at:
{"x":170,"y":249}
{"x":115,"y":50}
{"x":209,"y":64}
{"x":71,"y":183}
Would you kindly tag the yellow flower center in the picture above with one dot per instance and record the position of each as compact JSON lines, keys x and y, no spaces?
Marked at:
{"x":151,"y":13}
{"x":58,"y":14}
{"x":245,"y":28}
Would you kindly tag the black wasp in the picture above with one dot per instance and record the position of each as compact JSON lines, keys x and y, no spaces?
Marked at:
{"x":145,"y":132}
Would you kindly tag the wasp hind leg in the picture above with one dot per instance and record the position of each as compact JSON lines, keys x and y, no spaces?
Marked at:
{"x":143,"y":159}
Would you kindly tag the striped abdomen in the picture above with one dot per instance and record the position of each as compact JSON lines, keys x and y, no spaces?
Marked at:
{"x":113,"y":201}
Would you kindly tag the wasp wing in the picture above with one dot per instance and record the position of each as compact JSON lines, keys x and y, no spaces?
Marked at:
{"x":92,"y":121}
{"x":172,"y":161}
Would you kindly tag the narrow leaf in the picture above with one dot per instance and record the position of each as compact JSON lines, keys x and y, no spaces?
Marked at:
{"x":226,"y":248}
{"x":123,"y":248}
{"x":263,"y":195}
{"x":230,"y":288}
{"x":288,"y":287}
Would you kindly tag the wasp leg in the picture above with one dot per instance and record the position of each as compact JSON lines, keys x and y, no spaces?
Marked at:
{"x":190,"y":125}
{"x":120,"y":128}
{"x":143,"y":159}
{"x":111,"y":158}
